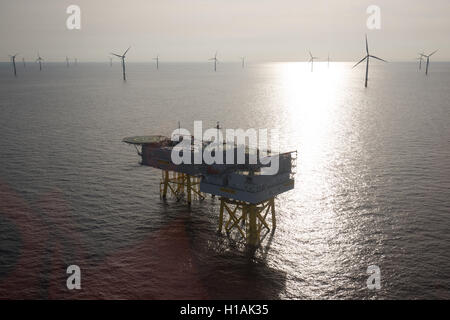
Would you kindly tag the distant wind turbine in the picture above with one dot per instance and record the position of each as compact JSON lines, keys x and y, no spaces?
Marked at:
{"x":215,"y":61}
{"x":39,"y":59}
{"x":157,"y":62}
{"x":367,"y":57}
{"x":312,"y":61}
{"x":123,"y":62}
{"x":428,"y":60}
{"x":328,"y":61}
{"x":243,"y":62}
{"x":13,"y":60}
{"x":67,"y":61}
{"x":110,"y":61}
{"x":24,"y":64}
{"x":420,"y":58}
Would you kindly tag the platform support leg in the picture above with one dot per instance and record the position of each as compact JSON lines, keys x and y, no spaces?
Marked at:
{"x":221,"y":215}
{"x":272,"y":208}
{"x":252,"y":236}
{"x":189,"y":191}
{"x":166,"y":184}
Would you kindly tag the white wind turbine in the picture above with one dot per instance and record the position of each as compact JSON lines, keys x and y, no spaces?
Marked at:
{"x":215,"y":61}
{"x":312,"y":60}
{"x":367,"y":57}
{"x":420,"y":58}
{"x":123,"y":62}
{"x":39,"y":60}
{"x":13,"y":60}
{"x":428,"y":60}
{"x":157,"y":62}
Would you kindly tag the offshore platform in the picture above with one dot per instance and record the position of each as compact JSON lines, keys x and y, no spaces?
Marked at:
{"x":247,"y":196}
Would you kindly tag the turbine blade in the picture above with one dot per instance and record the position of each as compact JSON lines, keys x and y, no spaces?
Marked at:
{"x":432,"y":53}
{"x":116,"y":55}
{"x":378,"y":58}
{"x":126,"y":51}
{"x":360,"y":61}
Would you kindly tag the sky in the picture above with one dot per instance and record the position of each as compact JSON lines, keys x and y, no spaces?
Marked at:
{"x":192,"y":30}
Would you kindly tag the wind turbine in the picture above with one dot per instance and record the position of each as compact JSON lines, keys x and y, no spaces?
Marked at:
{"x":367,"y":57}
{"x":243,"y":62}
{"x":67,"y":61}
{"x":123,"y":62}
{"x":39,"y":59}
{"x":157,"y":62}
{"x":215,"y":61}
{"x":312,"y":61}
{"x":428,"y":60}
{"x":328,"y":61}
{"x":13,"y":60}
{"x":110,"y":61}
{"x":24,"y":64}
{"x":420,"y":58}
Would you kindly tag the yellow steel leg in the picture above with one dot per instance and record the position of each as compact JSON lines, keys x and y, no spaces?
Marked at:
{"x":272,"y":207}
{"x":252,"y":236}
{"x":221,"y":215}
{"x":166,"y":183}
{"x":189,"y":195}
{"x":252,"y":217}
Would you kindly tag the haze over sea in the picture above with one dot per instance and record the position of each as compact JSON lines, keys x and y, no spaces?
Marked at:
{"x":372,"y":184}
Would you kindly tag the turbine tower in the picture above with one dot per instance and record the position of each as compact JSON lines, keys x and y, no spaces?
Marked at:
{"x":428,"y":60}
{"x":312,"y":61}
{"x":328,"y":61}
{"x":215,"y":61}
{"x":157,"y":62}
{"x":123,"y":62}
{"x":13,"y":60}
{"x":243,"y":62}
{"x":24,"y":64}
{"x":39,"y":60}
{"x":367,"y":57}
{"x":110,"y":61}
{"x":67,"y":61}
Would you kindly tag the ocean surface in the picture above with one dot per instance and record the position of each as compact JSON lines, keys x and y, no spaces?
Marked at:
{"x":372,"y":185}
